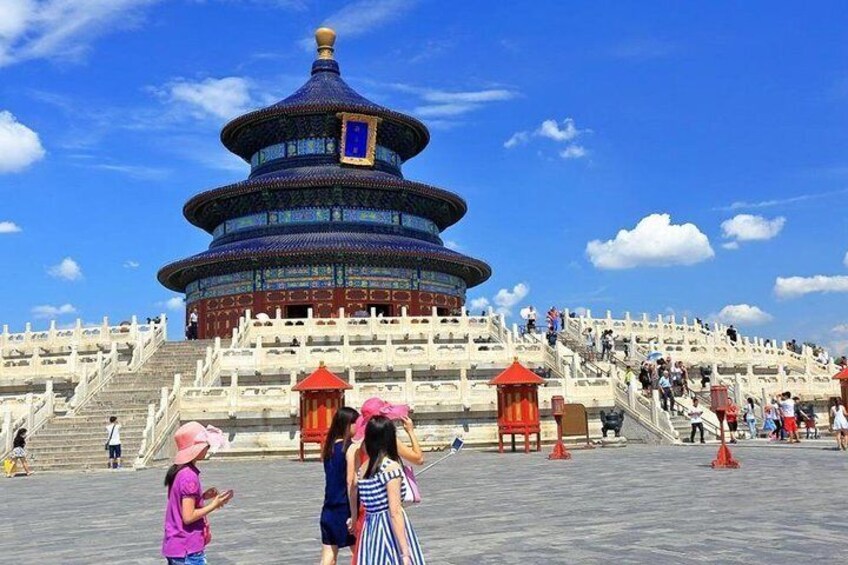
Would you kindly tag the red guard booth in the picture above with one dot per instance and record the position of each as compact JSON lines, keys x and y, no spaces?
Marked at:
{"x":321,"y":394}
{"x":518,"y":405}
{"x":842,"y":377}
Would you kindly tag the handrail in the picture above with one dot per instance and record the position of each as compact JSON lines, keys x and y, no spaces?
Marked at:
{"x":160,"y":423}
{"x":38,"y":413}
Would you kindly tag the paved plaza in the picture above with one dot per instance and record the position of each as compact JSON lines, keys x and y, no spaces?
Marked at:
{"x":639,"y":504}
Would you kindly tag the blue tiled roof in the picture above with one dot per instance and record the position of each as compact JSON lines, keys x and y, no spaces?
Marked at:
{"x":325,"y":91}
{"x":305,"y":246}
{"x":327,"y":87}
{"x":324,"y":175}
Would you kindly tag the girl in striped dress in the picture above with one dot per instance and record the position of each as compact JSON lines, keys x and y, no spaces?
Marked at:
{"x":387,"y":536}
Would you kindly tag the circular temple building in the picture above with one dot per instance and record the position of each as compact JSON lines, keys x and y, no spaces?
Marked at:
{"x":326,"y":219}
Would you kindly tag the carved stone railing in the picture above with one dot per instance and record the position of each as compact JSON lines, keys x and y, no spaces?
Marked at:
{"x":691,"y":341}
{"x":39,"y":411}
{"x":268,"y":330}
{"x":66,"y":353}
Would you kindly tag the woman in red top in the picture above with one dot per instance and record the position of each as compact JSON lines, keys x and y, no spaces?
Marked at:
{"x":732,"y":416}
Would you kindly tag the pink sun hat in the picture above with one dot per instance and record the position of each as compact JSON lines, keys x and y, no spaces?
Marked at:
{"x":192,"y":438}
{"x":377,"y":407}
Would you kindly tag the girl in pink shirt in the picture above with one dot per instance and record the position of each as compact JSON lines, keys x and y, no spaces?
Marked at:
{"x":186,"y":524}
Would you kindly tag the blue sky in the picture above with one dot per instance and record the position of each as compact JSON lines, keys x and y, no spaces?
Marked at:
{"x":712,"y":134}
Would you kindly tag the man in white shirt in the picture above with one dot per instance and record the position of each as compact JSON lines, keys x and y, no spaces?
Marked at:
{"x":787,"y":411}
{"x":695,"y":414}
{"x":113,"y":443}
{"x":192,"y":324}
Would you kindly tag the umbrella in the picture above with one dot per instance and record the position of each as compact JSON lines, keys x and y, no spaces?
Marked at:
{"x":654,"y":355}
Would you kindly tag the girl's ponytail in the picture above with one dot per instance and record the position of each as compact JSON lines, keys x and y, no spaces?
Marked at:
{"x":171,"y":475}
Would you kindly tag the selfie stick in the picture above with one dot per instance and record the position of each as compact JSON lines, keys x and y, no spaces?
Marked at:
{"x":453,"y":451}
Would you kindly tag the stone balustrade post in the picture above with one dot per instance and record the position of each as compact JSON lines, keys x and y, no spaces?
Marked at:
{"x":655,"y":407}
{"x":781,"y":376}
{"x":737,"y":386}
{"x":217,"y":343}
{"x":198,"y":373}
{"x":27,"y":332}
{"x":233,"y":395}
{"x":30,"y":411}
{"x":151,"y":424}
{"x":7,"y":428}
{"x":163,"y":402}
{"x":257,"y":353}
{"x":51,"y":332}
{"x":588,"y":314}
{"x":631,"y":397}
{"x":178,"y":384}
{"x":409,"y":388}
{"x":49,"y":400}
{"x":464,"y":392}
{"x":35,"y":360}
{"x":294,"y":404}
{"x":309,"y":314}
{"x":351,"y":380}
{"x":5,"y":337}
{"x":278,"y":314}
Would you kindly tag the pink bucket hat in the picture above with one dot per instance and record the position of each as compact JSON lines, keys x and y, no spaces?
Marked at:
{"x":192,"y":438}
{"x":377,"y":407}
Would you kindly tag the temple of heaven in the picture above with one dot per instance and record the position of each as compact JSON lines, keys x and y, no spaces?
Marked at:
{"x":326,"y":219}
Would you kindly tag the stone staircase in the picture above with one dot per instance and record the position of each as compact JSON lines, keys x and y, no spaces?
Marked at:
{"x":76,"y":442}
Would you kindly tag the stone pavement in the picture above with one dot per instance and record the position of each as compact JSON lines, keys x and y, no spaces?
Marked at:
{"x":639,"y":504}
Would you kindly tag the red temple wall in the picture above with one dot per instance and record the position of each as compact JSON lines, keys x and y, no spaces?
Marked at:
{"x":218,"y":316}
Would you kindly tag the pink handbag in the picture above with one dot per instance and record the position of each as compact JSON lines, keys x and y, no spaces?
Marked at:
{"x":412,"y":495}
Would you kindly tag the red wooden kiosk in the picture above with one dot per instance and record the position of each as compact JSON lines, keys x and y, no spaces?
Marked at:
{"x":518,"y":405}
{"x":842,"y":377}
{"x":321,"y":394}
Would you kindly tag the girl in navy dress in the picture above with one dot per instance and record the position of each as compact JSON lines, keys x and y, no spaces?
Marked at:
{"x":335,"y":515}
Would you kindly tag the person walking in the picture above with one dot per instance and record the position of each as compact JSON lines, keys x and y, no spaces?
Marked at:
{"x":336,"y":524}
{"x":113,"y":443}
{"x":790,"y":423}
{"x":187,"y":530}
{"x":357,"y":455}
{"x":839,"y":417}
{"x":695,"y":414}
{"x":732,"y":416}
{"x":667,"y":394}
{"x":751,"y":417}
{"x":777,"y":419}
{"x":388,"y":537}
{"x":19,"y":454}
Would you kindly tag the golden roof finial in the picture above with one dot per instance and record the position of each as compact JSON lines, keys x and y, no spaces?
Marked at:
{"x":325,"y":38}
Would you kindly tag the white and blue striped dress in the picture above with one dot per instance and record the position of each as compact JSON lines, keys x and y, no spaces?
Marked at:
{"x":377,"y":543}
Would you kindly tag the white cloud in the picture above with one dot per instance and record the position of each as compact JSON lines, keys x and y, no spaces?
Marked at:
{"x":451,"y":244}
{"x":20,"y":147}
{"x":48,"y":311}
{"x":139,"y":172}
{"x":60,"y":29}
{"x":731,"y":245}
{"x":845,"y":260}
{"x":747,"y":227}
{"x":840,"y":329}
{"x":361,"y":17}
{"x":443,"y":103}
{"x":10,"y":227}
{"x":518,"y":138}
{"x":478,"y":304}
{"x":564,"y":132}
{"x":130,"y":264}
{"x":793,"y":287}
{"x":222,"y":98}
{"x":506,"y":299}
{"x":738,"y":205}
{"x":742,"y":314}
{"x":67,"y":269}
{"x":573,"y":152}
{"x":552,"y":130}
{"x":175,"y":303}
{"x":654,"y":242}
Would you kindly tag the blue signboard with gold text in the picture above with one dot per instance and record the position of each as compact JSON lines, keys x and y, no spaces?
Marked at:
{"x":359,"y":139}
